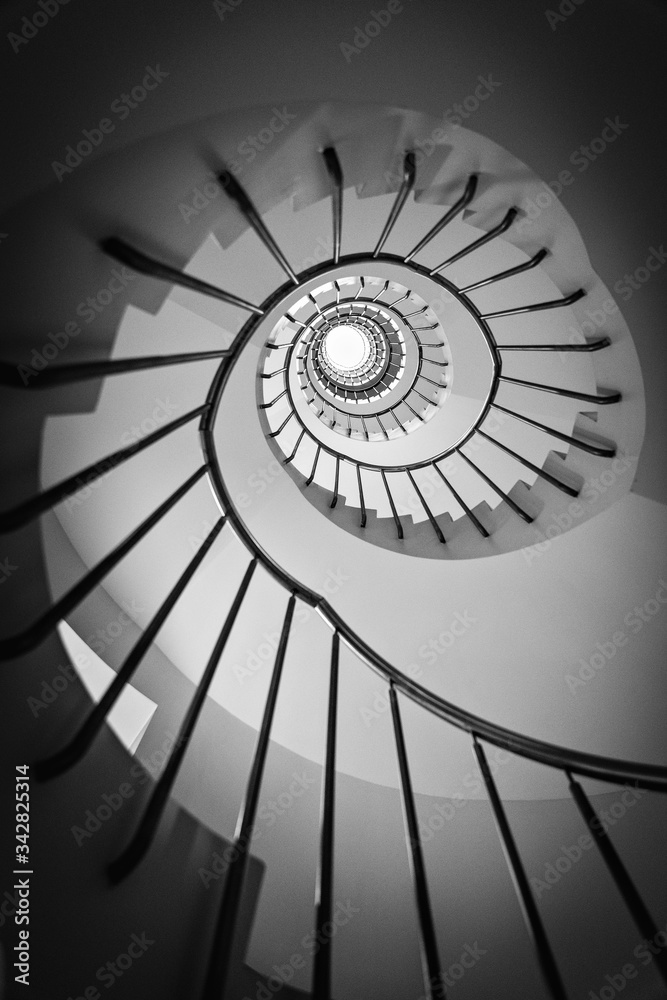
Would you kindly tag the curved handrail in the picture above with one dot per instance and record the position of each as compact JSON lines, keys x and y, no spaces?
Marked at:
{"x":567,"y":760}
{"x":387,"y":409}
{"x":617,"y":771}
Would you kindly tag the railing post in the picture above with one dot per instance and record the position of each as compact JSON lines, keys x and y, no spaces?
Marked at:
{"x":631,"y":897}
{"x":324,"y":889}
{"x":223,"y":939}
{"x":75,"y":749}
{"x":335,"y":172}
{"x":531,"y":916}
{"x":433,"y":979}
{"x":145,"y":832}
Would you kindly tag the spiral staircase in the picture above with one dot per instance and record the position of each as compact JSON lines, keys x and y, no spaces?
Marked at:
{"x":356,"y":384}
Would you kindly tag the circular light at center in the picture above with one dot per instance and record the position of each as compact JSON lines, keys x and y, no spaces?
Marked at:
{"x":346,"y":347}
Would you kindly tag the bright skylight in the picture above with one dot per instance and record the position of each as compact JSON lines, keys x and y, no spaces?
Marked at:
{"x":346,"y":347}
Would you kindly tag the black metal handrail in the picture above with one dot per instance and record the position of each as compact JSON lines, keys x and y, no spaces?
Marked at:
{"x":569,"y":762}
{"x":498,"y":377}
{"x":419,"y":375}
{"x":13,"y":376}
{"x":588,"y":765}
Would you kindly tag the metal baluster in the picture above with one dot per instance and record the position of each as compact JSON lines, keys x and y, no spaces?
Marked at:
{"x":335,"y":172}
{"x":426,"y":399}
{"x":570,"y":490}
{"x":536,"y":306}
{"x":399,"y":526}
{"x":501,"y":493}
{"x":10,"y":374}
{"x":438,"y":385}
{"x":324,"y":888}
{"x":226,"y":923}
{"x":31,"y":637}
{"x":413,"y":411}
{"x":382,"y":427}
{"x":591,"y":449}
{"x":267,"y":406}
{"x":123,"y":252}
{"x":381,"y":292}
{"x":312,"y":473}
{"x":465,"y":199}
{"x":434,"y":523}
{"x":611,"y":397}
{"x":590,"y":345}
{"x":530,"y":912}
{"x":397,"y":420}
{"x":491,"y":235}
{"x":240,"y":197}
{"x":361,"y":498}
{"x":631,"y":897}
{"x":409,"y":173}
{"x":141,"y":841}
{"x":289,"y":416}
{"x":334,"y":500}
{"x":509,"y":273}
{"x":75,"y":749}
{"x":431,"y":969}
{"x":480,"y":527}
{"x":286,"y":461}
{"x":26,"y":511}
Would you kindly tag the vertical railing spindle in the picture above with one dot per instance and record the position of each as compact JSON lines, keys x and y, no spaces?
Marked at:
{"x":143,"y":837}
{"x":433,"y":979}
{"x":531,"y":916}
{"x":324,"y":889}
{"x":631,"y":897}
{"x":220,"y":960}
